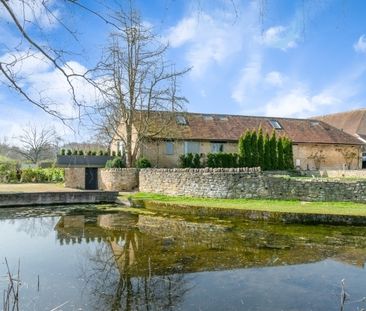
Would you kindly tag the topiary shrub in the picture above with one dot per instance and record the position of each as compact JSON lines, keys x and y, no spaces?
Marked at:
{"x":101,"y":152}
{"x":94,"y":153}
{"x":81,"y":152}
{"x":63,"y":151}
{"x":89,"y":153}
{"x":143,"y":163}
{"x":69,"y":152}
{"x":75,"y":152}
{"x":115,"y":163}
{"x":113,"y":153}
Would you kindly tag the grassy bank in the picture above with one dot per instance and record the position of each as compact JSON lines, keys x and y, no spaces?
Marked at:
{"x":329,"y":208}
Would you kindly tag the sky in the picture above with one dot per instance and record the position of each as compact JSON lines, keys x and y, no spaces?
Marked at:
{"x":280,"y":58}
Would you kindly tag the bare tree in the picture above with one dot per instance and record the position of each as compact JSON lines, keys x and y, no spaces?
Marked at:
{"x":38,"y":143}
{"x":137,"y":85}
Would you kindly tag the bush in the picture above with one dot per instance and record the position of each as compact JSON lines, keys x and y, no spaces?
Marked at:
{"x":63,"y":152}
{"x":94,"y":153}
{"x":224,"y":160}
{"x":75,"y":152}
{"x":113,"y":153}
{"x":8,"y":172}
{"x":89,"y":153}
{"x":106,"y":153}
{"x":69,"y":152}
{"x":39,"y":175}
{"x":143,"y":163}
{"x":101,"y":152}
{"x":190,"y":160}
{"x":115,"y":163}
{"x":81,"y":152}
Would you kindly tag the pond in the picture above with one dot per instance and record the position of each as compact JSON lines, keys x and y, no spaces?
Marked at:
{"x":87,"y":258}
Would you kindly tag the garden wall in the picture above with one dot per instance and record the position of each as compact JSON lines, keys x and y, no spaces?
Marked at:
{"x":118,"y":179}
{"x":247,"y":183}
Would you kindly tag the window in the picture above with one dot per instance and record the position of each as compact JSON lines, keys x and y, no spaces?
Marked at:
{"x":120,"y":147}
{"x":217,"y":147}
{"x":275,"y":124}
{"x":181,"y":120}
{"x":191,"y":147}
{"x":169,"y":147}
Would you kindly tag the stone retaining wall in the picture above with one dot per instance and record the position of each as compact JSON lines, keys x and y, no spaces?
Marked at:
{"x":247,"y":183}
{"x":118,"y":179}
{"x":49,"y":198}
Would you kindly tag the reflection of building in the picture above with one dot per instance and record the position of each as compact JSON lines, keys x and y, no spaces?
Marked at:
{"x":146,"y":244}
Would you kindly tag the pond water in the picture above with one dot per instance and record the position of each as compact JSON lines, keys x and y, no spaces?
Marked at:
{"x":89,"y":259}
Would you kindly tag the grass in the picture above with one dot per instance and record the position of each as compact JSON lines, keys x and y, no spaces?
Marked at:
{"x":332,"y":208}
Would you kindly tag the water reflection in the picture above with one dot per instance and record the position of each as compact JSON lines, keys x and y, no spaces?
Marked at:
{"x":145,"y":262}
{"x":127,"y":261}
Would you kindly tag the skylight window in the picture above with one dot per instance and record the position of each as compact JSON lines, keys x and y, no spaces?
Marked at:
{"x":275,"y":124}
{"x":181,"y":120}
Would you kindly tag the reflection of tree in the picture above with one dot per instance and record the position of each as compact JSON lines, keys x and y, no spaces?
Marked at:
{"x":120,"y":279}
{"x":36,"y":227}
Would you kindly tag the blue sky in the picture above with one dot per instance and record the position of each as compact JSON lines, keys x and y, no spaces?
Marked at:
{"x":286,"y":58}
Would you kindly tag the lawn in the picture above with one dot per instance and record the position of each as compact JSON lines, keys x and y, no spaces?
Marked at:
{"x":334,"y":208}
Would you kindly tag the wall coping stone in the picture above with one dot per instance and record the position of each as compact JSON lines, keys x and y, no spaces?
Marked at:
{"x":204,"y":170}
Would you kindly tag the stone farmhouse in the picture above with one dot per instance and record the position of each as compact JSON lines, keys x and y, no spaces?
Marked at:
{"x":353,"y":122}
{"x":316,"y":144}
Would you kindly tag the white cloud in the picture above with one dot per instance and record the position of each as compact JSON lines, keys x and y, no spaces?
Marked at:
{"x":360,"y":45}
{"x":48,"y":85}
{"x":183,"y":32}
{"x":279,"y":37}
{"x":210,"y":39}
{"x":249,"y":78}
{"x":298,"y":102}
{"x":274,"y":78}
{"x":38,"y":12}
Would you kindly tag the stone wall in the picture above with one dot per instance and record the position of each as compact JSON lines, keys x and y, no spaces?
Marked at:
{"x":247,"y":183}
{"x":49,"y":198}
{"x":75,"y":177}
{"x":118,"y":179}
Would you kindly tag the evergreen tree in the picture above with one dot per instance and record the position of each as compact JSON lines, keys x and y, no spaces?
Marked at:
{"x":247,"y":149}
{"x":273,"y":150}
{"x":267,"y":154}
{"x":280,"y":158}
{"x":288,"y":153}
{"x":260,"y":143}
{"x":241,"y":151}
{"x":254,"y":149}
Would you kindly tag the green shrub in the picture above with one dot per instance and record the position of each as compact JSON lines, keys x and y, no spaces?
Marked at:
{"x":119,"y":154}
{"x":223,"y":160}
{"x":41,"y":175}
{"x":106,"y":153}
{"x":113,"y":153}
{"x":63,"y":151}
{"x":81,"y":153}
{"x":186,"y":160}
{"x":101,"y":152}
{"x":69,"y":152}
{"x":115,"y":163}
{"x":143,"y":163}
{"x":89,"y":153}
{"x":75,"y":152}
{"x":196,"y":161}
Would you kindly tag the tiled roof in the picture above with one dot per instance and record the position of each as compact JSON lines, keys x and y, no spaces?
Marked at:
{"x":216,"y":127}
{"x":352,"y":122}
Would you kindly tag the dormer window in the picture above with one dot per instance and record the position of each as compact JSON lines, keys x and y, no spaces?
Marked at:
{"x":181,"y":120}
{"x":275,"y":124}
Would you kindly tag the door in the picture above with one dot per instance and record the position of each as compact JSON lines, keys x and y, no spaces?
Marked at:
{"x":91,"y":178}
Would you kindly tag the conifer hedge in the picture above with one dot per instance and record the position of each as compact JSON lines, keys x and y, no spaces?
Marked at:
{"x":268,"y":152}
